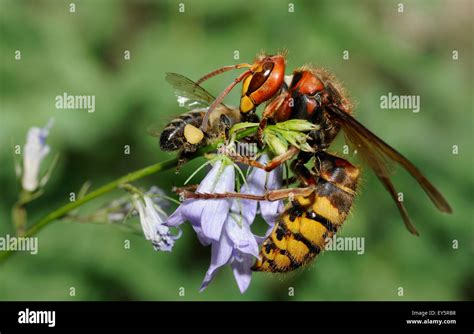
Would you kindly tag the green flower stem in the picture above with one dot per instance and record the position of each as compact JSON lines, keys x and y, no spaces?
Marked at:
{"x":99,"y":192}
{"x":136,"y":175}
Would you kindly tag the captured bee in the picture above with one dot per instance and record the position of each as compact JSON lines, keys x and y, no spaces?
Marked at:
{"x":321,"y":202}
{"x":184,"y":133}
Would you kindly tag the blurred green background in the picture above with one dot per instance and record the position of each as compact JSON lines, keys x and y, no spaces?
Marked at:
{"x":82,"y":53}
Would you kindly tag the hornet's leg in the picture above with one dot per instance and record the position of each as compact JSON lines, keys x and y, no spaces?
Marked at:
{"x":269,"y":115}
{"x":272,"y":164}
{"x":301,"y":171}
{"x":270,"y":195}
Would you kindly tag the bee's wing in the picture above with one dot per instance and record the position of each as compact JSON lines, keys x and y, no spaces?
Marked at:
{"x":189,"y":94}
{"x":379,"y":156}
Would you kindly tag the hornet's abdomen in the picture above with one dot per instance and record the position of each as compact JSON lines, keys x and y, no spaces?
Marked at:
{"x":172,"y":138}
{"x":303,"y":229}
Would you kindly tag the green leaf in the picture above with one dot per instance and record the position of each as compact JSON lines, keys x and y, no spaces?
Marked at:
{"x":241,"y":126}
{"x":297,"y":125}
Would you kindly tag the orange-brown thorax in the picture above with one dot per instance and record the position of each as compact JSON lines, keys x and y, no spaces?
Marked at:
{"x":299,"y":100}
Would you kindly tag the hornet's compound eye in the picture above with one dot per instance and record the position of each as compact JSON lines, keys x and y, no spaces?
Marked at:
{"x":260,"y":77}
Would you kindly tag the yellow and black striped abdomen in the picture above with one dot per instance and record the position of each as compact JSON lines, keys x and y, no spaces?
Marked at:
{"x":303,"y":229}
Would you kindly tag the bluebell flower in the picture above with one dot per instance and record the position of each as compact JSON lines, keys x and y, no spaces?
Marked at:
{"x":152,"y":220}
{"x":207,"y":216}
{"x":257,"y":183}
{"x":237,"y":246}
{"x":119,"y":209}
{"x":34,"y":152}
{"x":225,"y":223}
